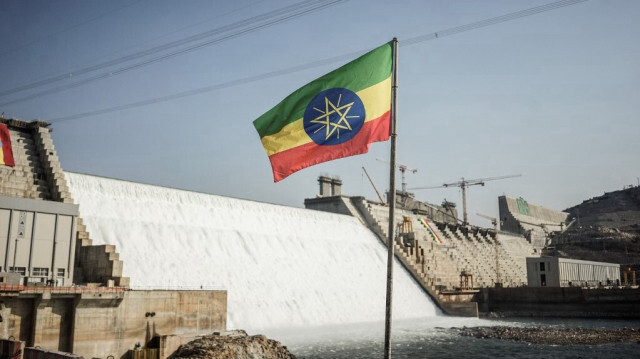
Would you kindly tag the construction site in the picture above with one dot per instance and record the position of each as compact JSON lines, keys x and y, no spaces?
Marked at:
{"x":99,"y":267}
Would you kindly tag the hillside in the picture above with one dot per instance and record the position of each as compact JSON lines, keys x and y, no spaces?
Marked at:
{"x":607,"y":229}
{"x":618,"y":209}
{"x":599,"y":244}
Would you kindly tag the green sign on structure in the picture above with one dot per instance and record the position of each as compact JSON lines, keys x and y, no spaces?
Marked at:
{"x":523,"y":206}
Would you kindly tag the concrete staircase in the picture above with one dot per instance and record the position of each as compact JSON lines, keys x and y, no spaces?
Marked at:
{"x":97,"y":263}
{"x":437,"y":266}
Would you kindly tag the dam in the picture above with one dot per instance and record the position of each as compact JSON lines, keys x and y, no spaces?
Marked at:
{"x":281,"y":266}
{"x":94,"y":265}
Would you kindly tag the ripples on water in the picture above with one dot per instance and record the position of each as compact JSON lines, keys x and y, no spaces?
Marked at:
{"x":434,"y":338}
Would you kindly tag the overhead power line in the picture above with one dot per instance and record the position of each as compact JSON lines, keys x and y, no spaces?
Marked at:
{"x":249,"y":79}
{"x":201,"y":90}
{"x":491,"y":21}
{"x":189,"y":26}
{"x":237,"y":29}
{"x":69,"y":28}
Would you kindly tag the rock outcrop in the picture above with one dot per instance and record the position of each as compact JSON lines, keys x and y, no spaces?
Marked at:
{"x":233,"y":345}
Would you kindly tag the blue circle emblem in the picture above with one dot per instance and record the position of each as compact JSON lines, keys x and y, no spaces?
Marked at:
{"x":333,"y":116}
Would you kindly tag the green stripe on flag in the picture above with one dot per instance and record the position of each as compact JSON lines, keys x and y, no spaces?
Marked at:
{"x":363,"y":72}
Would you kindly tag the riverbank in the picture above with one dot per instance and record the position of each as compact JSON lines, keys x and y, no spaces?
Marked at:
{"x":554,"y":336}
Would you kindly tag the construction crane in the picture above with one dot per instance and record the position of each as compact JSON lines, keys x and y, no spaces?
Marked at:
{"x":494,"y":221}
{"x":463,"y":184}
{"x":374,"y":186}
{"x":402,"y":169}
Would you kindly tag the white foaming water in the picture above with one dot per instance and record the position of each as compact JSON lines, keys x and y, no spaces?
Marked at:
{"x":283,"y":267}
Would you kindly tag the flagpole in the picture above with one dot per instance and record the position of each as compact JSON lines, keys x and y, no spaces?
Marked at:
{"x":392,"y":204}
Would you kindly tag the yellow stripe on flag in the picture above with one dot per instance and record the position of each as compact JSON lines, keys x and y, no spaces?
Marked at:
{"x":376,"y":103}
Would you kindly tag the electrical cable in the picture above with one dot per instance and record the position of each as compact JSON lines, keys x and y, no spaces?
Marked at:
{"x":166,"y":34}
{"x":201,"y":90}
{"x":163,"y":57}
{"x":267,"y":19}
{"x":69,"y":28}
{"x":491,"y":21}
{"x":249,"y":79}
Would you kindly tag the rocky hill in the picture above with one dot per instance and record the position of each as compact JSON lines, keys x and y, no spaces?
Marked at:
{"x":600,"y":244}
{"x":618,"y":209}
{"x":606,"y":229}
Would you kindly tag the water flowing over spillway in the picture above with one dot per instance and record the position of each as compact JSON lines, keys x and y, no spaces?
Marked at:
{"x":282,"y":266}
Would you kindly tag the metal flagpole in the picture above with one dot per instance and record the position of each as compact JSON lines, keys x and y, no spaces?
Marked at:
{"x":392,"y":204}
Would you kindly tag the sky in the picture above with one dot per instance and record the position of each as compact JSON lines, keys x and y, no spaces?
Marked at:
{"x":552,"y":96}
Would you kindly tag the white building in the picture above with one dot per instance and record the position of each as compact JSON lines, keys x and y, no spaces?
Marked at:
{"x":564,"y":272}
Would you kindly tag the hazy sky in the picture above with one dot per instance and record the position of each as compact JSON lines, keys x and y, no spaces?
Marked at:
{"x":553,"y":96}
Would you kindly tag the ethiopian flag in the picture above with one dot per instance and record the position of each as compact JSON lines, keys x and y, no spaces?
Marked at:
{"x":334,"y":116}
{"x":433,"y":234}
{"x":6,"y":154}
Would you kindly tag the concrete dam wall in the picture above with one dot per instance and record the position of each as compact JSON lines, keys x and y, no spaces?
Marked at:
{"x":283,"y":267}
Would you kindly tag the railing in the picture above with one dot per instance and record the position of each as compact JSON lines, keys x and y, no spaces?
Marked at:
{"x":11,"y":288}
{"x":59,"y":290}
{"x":176,"y":287}
{"x":84,"y":289}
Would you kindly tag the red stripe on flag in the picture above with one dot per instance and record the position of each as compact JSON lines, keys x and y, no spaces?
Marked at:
{"x":292,"y":160}
{"x":7,"y":153}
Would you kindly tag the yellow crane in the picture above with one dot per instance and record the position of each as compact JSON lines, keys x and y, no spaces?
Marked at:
{"x":463,"y":184}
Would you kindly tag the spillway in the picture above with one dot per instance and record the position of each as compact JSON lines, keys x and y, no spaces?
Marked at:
{"x":283,"y":267}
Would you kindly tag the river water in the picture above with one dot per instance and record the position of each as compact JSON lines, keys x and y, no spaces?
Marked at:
{"x":435,"y":338}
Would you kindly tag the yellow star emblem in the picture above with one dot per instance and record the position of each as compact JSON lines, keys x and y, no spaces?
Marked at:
{"x":342,"y":112}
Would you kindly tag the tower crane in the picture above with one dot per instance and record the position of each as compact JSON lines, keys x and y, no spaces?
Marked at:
{"x":463,"y":184}
{"x":493,"y":220}
{"x":402,"y":169}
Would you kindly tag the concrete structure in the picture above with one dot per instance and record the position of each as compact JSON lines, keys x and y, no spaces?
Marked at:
{"x":559,"y":302}
{"x":533,"y":221}
{"x":37,"y":175}
{"x":37,"y":240}
{"x":100,"y":322}
{"x":330,"y":199}
{"x":446,"y":213}
{"x":329,"y":186}
{"x":58,"y":291}
{"x":564,"y":272}
{"x":284,"y":267}
{"x":471,"y":271}
{"x":436,"y":253}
